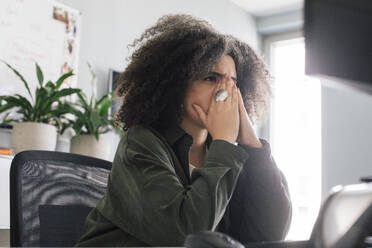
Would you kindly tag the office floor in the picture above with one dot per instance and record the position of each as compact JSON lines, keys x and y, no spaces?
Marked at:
{"x":4,"y":238}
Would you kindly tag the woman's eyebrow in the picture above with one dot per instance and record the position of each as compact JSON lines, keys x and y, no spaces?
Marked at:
{"x":214,"y":73}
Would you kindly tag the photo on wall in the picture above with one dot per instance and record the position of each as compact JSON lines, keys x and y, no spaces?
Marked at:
{"x":113,"y":83}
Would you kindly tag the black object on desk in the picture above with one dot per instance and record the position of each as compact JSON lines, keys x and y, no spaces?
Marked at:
{"x":208,"y":239}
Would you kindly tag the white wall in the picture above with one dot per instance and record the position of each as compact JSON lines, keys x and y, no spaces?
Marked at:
{"x":280,"y":23}
{"x":109,"y":26}
{"x":346,"y":137}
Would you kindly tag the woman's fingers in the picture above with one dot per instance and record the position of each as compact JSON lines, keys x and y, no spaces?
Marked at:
{"x":229,"y":88}
{"x":202,"y":115}
{"x":241,"y":103}
{"x":218,"y":86}
{"x":235,"y":97}
{"x":222,"y":86}
{"x":226,"y":85}
{"x":222,"y":120}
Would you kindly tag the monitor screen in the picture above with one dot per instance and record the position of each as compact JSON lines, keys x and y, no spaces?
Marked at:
{"x":338,"y":41}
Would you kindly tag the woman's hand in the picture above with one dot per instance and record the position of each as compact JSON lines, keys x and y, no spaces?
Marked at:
{"x":247,"y":135}
{"x":222,"y":119}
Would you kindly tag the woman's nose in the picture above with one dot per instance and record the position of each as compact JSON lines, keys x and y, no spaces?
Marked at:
{"x":229,"y":77}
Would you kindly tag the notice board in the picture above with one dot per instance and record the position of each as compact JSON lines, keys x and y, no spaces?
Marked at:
{"x":42,"y":31}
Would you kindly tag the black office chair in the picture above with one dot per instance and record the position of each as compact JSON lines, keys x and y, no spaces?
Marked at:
{"x":51,"y":193}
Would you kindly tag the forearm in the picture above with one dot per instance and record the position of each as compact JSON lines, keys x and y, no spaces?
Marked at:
{"x":262,"y":199}
{"x":254,"y":143}
{"x":149,"y":202}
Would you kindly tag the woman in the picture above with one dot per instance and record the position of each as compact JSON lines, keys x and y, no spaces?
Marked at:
{"x":190,"y":159}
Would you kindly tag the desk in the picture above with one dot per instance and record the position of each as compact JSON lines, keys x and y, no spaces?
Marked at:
{"x":5,"y":162}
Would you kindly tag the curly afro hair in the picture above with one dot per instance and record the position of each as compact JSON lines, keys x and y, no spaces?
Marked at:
{"x":177,"y":50}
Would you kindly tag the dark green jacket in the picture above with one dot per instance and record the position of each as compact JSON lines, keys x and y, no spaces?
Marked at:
{"x":151,"y":200}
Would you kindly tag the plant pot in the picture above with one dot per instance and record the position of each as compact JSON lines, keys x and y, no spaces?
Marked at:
{"x":64,"y":141}
{"x":33,"y":136}
{"x":5,"y":137}
{"x":63,"y":144}
{"x":88,"y":145}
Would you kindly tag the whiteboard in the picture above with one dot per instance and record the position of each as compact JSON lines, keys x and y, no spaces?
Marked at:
{"x":42,"y":31}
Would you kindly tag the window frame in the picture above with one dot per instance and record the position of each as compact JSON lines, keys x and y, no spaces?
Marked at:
{"x":266,"y":130}
{"x":267,"y":51}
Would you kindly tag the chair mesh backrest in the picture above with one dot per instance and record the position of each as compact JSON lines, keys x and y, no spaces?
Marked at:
{"x":40,"y":178}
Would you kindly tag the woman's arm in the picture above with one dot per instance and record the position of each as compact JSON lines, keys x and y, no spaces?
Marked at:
{"x":260,"y":208}
{"x":146,"y":199}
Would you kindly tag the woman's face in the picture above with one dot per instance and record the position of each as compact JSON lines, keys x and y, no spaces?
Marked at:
{"x":200,"y":91}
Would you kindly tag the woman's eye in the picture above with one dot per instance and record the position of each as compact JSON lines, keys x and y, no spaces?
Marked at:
{"x":211,"y":78}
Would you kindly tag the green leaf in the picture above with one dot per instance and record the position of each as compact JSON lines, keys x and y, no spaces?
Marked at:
{"x":25,"y":102}
{"x":40,"y":75}
{"x":77,"y":128}
{"x":91,"y":116}
{"x":41,"y":96}
{"x":96,"y":121}
{"x":50,"y":85}
{"x":82,"y":121}
{"x":58,"y":122}
{"x":62,"y":109}
{"x":7,"y":106}
{"x":6,"y":120}
{"x":87,"y":119}
{"x":22,"y":104}
{"x":109,"y":95}
{"x":21,"y":77}
{"x":83,"y":100}
{"x":104,"y":107}
{"x":64,"y":126}
{"x":19,"y":101}
{"x":65,"y":92}
{"x":62,"y":79}
{"x":57,"y":95}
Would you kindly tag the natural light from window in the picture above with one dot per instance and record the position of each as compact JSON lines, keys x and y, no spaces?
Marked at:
{"x":296,"y":132}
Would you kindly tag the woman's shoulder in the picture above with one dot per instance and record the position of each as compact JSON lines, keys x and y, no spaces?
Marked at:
{"x":142,"y":138}
{"x":143,"y":134}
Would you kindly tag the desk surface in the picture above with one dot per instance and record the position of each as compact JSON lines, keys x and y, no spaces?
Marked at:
{"x":6,"y":157}
{"x":5,"y":162}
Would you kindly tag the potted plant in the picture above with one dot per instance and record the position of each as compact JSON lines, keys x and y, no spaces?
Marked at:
{"x":92,"y":120}
{"x":38,"y":119}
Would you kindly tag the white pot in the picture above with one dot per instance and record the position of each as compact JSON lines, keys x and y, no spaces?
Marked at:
{"x":63,"y":144}
{"x":33,"y":136}
{"x":88,"y":145}
{"x":64,"y":140}
{"x":5,"y":137}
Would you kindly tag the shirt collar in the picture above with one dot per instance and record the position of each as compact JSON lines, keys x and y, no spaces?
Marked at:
{"x":174,"y":133}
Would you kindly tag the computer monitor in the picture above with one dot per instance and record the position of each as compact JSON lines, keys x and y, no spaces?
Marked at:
{"x":338,"y":42}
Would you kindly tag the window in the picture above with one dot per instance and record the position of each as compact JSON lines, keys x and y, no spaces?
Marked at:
{"x":295,"y":130}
